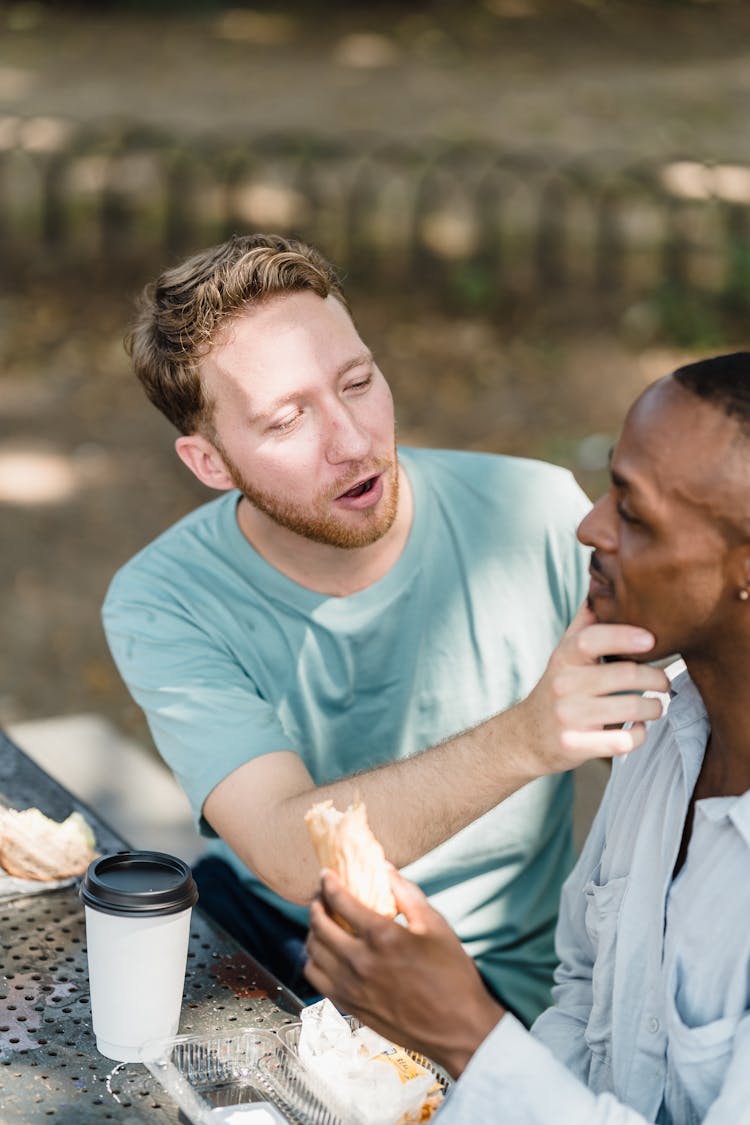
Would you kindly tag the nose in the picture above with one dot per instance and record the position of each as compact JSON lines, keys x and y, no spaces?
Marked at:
{"x":347,"y":438}
{"x":598,"y":528}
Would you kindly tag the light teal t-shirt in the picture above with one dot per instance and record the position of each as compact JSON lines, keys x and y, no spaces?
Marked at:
{"x":230,"y":660}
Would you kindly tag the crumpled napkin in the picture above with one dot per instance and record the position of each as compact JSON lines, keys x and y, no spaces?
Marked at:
{"x":370,"y":1080}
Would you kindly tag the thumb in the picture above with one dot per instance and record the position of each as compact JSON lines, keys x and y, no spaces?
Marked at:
{"x":583,"y":618}
{"x":411,"y":902}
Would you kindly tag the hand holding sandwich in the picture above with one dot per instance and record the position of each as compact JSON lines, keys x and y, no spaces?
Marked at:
{"x":414,"y":983}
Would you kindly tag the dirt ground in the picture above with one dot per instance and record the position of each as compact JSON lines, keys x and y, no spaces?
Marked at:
{"x":87,"y":470}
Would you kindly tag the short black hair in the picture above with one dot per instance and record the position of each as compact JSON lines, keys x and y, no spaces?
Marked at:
{"x":723,"y":380}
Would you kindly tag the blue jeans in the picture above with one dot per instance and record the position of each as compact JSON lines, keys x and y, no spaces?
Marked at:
{"x":270,"y":937}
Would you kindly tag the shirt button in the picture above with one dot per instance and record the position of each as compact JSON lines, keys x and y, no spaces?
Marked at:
{"x":652,"y":1024}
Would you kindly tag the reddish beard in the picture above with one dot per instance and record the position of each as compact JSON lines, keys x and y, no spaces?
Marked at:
{"x":317,"y":522}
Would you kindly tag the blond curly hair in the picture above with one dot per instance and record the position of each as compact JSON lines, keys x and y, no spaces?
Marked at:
{"x":180,"y":315}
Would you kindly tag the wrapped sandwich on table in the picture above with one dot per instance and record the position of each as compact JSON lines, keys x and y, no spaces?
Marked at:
{"x":344,"y":843}
{"x":32,"y":846}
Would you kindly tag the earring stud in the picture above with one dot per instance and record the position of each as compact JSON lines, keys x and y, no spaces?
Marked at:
{"x":743,"y":595}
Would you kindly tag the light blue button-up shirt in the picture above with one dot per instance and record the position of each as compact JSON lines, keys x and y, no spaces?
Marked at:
{"x":652,"y":998}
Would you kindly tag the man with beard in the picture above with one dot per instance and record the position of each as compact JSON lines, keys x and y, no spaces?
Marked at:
{"x":651,"y":1020}
{"x":332,"y":624}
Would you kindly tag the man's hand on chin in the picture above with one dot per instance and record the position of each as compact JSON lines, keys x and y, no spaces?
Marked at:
{"x":580,"y":706}
{"x":413,"y":983}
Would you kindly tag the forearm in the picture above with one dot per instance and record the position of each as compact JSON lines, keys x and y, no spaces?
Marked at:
{"x":575,"y":712}
{"x":415,"y":804}
{"x":412,"y":805}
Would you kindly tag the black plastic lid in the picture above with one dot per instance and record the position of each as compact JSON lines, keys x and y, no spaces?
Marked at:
{"x":145,"y":884}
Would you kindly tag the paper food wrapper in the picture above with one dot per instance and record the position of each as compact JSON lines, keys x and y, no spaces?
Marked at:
{"x":370,"y":1080}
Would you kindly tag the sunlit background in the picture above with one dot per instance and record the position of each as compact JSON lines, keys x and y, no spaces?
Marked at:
{"x":538,"y":207}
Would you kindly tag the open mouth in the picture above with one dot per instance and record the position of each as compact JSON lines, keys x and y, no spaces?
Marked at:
{"x":359,"y":489}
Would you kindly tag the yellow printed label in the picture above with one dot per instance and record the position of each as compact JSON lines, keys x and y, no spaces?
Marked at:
{"x":405,"y":1066}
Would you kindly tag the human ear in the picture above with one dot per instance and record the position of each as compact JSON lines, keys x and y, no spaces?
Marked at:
{"x":204,"y":461}
{"x":738,"y":573}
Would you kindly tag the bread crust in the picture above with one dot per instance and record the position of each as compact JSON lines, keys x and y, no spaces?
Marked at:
{"x":344,"y":842}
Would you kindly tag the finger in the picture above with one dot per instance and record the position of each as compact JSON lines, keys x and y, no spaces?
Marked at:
{"x":330,"y":953}
{"x":592,"y":642}
{"x":326,"y":961}
{"x":327,"y":931}
{"x":608,"y":679}
{"x":586,"y":713}
{"x":322,"y":924}
{"x":582,"y":619}
{"x":411,"y":902}
{"x":619,"y":709}
{"x":586,"y":744}
{"x":345,"y":906}
{"x":319,"y":978}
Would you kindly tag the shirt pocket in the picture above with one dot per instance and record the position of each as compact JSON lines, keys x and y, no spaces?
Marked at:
{"x":698,"y":1055}
{"x":602,"y":912}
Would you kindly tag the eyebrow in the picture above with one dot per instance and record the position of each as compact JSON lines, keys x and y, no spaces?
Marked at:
{"x":357,"y":361}
{"x":632,"y":488}
{"x":617,"y":480}
{"x":360,"y":360}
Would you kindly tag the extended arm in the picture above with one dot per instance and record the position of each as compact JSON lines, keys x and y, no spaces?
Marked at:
{"x":413,"y":805}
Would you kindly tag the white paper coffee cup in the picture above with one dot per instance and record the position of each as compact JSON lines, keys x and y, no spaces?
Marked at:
{"x":137,"y":906}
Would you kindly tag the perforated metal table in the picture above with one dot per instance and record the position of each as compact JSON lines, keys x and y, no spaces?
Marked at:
{"x":50,"y":1069}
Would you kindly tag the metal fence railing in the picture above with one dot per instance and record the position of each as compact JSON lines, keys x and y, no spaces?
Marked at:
{"x":458,"y":219}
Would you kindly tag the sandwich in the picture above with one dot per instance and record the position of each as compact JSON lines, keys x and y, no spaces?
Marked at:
{"x":344,"y":842}
{"x":32,"y":846}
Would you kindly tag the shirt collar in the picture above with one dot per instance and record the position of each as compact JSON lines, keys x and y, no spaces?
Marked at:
{"x":686,"y":708}
{"x":685,"y":703}
{"x":735,"y":809}
{"x":688,"y":722}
